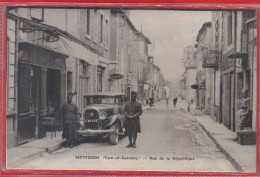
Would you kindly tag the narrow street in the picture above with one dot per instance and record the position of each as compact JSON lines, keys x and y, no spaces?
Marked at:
{"x":170,"y":140}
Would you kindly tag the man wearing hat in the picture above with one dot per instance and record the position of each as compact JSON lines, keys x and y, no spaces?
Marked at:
{"x":69,"y":113}
{"x":133,"y":111}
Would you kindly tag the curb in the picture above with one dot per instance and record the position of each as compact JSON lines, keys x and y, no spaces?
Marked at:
{"x":55,"y":147}
{"x":226,"y":154}
{"x":26,"y":159}
{"x":35,"y":155}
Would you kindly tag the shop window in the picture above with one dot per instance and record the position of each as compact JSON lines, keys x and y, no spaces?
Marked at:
{"x":99,"y":79}
{"x":69,"y":81}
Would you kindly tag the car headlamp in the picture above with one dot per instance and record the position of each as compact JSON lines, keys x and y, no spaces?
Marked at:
{"x":103,"y":115}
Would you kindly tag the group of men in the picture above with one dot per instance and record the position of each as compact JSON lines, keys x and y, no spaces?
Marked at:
{"x":70,"y":113}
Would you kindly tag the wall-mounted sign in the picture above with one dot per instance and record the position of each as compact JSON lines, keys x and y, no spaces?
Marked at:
{"x":42,"y":57}
{"x":210,"y":60}
{"x":116,"y":76}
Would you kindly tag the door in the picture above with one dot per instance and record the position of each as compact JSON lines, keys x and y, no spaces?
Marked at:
{"x":26,"y":104}
{"x":83,"y":82}
{"x":232,"y":105}
{"x":227,"y":100}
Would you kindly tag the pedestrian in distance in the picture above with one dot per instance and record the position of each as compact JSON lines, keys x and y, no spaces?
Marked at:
{"x":151,"y":102}
{"x":188,"y":108}
{"x":69,"y":113}
{"x":175,"y":99}
{"x":167,"y":101}
{"x":133,"y":111}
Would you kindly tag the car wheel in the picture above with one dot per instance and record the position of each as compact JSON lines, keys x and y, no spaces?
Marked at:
{"x":114,"y":136}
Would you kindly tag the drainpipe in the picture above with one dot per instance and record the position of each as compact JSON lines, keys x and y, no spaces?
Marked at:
{"x":234,"y":93}
{"x":17,"y":36}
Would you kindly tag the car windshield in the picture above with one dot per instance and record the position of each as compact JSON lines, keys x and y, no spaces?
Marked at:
{"x":99,"y":100}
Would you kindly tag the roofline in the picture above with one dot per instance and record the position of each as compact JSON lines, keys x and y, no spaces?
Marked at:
{"x":131,"y":24}
{"x":204,"y":26}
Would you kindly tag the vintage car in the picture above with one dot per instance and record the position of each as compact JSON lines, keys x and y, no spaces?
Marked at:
{"x":103,"y":116}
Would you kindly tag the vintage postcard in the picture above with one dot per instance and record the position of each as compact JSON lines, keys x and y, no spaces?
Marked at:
{"x":131,"y":89}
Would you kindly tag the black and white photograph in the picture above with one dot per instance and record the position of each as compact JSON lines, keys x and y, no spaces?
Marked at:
{"x":127,"y":89}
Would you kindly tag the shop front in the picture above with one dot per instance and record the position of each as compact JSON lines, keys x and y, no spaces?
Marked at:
{"x":41,"y":90}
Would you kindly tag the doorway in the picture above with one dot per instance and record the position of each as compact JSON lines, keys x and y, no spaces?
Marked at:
{"x":53,"y":95}
{"x":28,"y":101}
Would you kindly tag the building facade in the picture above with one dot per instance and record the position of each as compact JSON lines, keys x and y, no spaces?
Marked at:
{"x":233,"y":55}
{"x":51,"y":52}
{"x":52,"y":56}
{"x":189,"y":76}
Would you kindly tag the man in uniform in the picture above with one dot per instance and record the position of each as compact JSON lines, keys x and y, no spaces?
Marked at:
{"x":69,"y":113}
{"x":133,"y":111}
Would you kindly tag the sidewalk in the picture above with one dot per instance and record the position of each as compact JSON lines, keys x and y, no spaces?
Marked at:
{"x":243,"y":157}
{"x":36,"y":148}
{"x":32,"y":150}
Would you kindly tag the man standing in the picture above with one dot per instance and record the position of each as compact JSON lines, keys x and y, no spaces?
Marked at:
{"x":133,"y":111}
{"x":69,"y":113}
{"x":175,"y":101}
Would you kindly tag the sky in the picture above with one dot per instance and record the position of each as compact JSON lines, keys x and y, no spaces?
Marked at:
{"x":170,"y":31}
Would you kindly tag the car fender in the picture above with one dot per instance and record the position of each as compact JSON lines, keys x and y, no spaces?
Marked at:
{"x":112,"y":120}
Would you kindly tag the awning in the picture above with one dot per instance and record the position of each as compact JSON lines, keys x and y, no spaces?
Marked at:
{"x":74,"y":50}
{"x":56,"y":40}
{"x":235,"y":55}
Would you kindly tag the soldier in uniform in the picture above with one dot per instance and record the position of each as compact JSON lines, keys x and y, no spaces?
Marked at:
{"x":133,"y":111}
{"x":69,"y":113}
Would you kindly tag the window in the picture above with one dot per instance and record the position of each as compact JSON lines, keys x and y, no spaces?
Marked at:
{"x":95,"y":26}
{"x":107,"y":34}
{"x":129,"y":63}
{"x":83,"y":68}
{"x":252,"y":14}
{"x":229,"y":28}
{"x":88,"y":22}
{"x":37,"y":14}
{"x":101,"y":29}
{"x":99,"y":79}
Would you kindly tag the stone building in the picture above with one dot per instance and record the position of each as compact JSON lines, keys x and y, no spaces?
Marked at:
{"x":49,"y":53}
{"x":234,"y":35}
{"x":129,"y":55}
{"x":53,"y":51}
{"x":189,"y":76}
